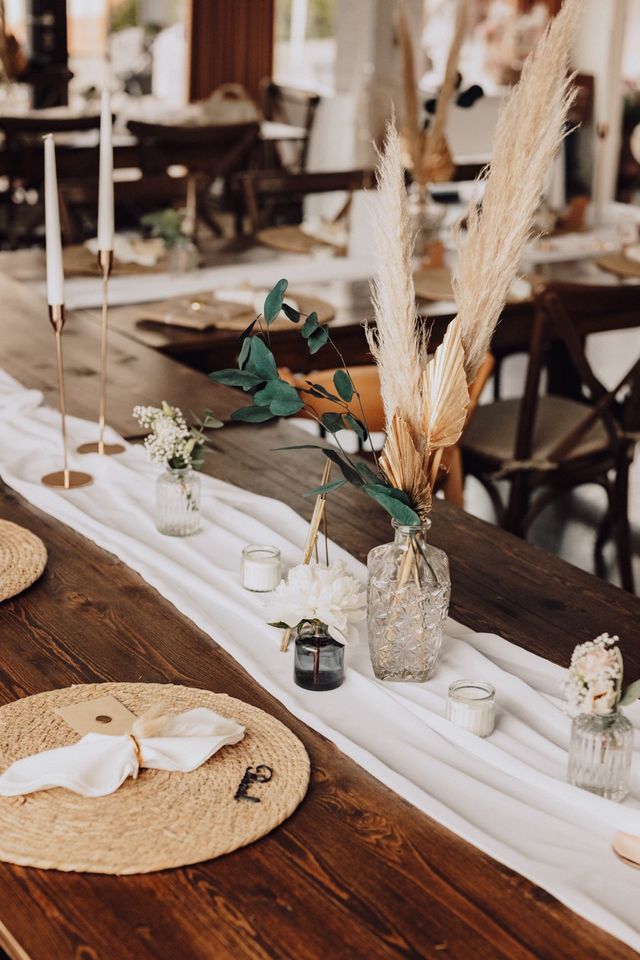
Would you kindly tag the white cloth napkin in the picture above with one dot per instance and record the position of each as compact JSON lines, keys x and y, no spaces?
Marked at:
{"x":100,"y":763}
{"x":144,"y":252}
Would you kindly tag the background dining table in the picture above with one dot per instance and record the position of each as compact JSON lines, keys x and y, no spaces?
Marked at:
{"x":356,"y":872}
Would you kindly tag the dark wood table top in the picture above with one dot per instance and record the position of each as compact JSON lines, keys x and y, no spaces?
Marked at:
{"x":356,"y":872}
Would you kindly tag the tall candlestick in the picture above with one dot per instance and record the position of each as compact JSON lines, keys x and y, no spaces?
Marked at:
{"x":55,"y":274}
{"x":105,"y":189}
{"x":105,"y":262}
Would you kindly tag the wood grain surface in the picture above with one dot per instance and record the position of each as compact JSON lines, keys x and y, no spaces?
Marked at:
{"x":356,"y":872}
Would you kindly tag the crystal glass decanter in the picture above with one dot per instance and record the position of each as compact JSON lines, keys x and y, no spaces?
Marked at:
{"x":178,"y":502}
{"x":407,"y":605}
{"x":600,"y":754}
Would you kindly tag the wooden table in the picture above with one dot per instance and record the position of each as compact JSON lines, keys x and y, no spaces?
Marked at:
{"x":356,"y":872}
{"x":213,"y":349}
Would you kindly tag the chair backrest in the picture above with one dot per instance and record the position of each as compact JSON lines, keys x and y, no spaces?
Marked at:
{"x":259,"y":186}
{"x":294,"y":106}
{"x":215,"y":149}
{"x":32,"y":126}
{"x":565,"y":313}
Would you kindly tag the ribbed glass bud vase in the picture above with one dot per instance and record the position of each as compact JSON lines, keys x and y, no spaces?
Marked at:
{"x":178,"y":502}
{"x":408,"y":601}
{"x":600,"y":754}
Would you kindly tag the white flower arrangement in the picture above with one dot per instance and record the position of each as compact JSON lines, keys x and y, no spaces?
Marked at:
{"x":171,"y":441}
{"x":316,"y":594}
{"x":594,"y":684}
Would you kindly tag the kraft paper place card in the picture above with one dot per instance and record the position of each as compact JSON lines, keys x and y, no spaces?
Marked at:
{"x":102,"y":715}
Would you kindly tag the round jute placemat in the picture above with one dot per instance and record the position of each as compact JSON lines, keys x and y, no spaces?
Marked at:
{"x":161,"y":819}
{"x":305,"y":302}
{"x":80,"y":262}
{"x":619,"y":265}
{"x":291,"y":239}
{"x":23,"y":557}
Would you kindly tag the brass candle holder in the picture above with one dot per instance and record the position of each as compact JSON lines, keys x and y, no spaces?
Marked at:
{"x":105,"y":262}
{"x":64,"y":478}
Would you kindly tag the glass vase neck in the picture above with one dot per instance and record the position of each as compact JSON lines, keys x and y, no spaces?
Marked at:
{"x":406,"y":531}
{"x":178,"y":471}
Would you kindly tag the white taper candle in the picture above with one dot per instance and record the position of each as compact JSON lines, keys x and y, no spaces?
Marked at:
{"x":105,"y":190}
{"x":55,"y":275}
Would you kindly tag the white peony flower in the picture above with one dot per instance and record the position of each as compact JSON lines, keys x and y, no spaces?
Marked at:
{"x":314,"y":593}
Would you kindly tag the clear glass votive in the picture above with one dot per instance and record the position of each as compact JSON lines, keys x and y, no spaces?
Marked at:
{"x":472,"y":705}
{"x":260,"y":568}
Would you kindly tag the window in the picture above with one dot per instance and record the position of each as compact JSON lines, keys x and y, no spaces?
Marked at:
{"x":305,"y":45}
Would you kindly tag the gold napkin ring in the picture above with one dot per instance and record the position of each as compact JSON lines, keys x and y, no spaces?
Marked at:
{"x":136,"y":747}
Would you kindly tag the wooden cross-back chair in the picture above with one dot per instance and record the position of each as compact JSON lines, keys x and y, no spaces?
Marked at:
{"x":208,"y":152}
{"x":289,"y":105}
{"x":546,"y":445}
{"x":262,"y":190}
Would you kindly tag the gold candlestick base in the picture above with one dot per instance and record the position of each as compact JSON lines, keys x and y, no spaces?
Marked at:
{"x":104,"y":449}
{"x":67,"y":479}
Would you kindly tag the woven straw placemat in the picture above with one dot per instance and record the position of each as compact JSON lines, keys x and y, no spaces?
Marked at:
{"x":620,"y":265}
{"x":161,"y":819}
{"x":23,"y":557}
{"x":292,"y":239}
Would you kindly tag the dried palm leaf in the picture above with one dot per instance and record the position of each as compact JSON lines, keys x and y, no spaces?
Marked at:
{"x":528,"y":136}
{"x":445,"y":392}
{"x":403,"y":466}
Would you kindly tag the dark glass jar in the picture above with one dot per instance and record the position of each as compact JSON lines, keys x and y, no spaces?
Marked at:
{"x":318,"y":660}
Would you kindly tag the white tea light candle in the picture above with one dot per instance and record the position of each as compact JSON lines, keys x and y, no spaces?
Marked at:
{"x":260,"y":568}
{"x":472,"y":705}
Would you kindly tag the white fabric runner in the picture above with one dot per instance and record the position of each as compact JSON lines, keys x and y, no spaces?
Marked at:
{"x":505,"y":794}
{"x":86,"y":292}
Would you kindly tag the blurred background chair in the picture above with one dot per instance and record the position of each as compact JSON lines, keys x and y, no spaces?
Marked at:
{"x":272,"y":197}
{"x":282,"y":104}
{"x":546,"y":445}
{"x":210,"y":154}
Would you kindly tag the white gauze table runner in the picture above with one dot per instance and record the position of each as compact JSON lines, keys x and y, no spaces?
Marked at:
{"x":506,"y":794}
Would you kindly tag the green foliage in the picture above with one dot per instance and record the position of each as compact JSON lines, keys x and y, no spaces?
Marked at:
{"x":271,"y":396}
{"x":166,"y":224}
{"x":631,"y":693}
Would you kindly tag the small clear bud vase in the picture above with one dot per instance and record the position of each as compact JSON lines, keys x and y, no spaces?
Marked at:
{"x":600,"y":754}
{"x":178,"y":502}
{"x":408,"y":601}
{"x":318,"y":659}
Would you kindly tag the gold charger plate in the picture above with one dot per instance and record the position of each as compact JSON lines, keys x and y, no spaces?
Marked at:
{"x":619,"y":265}
{"x":291,"y":239}
{"x":206,"y":313}
{"x":435,"y":284}
{"x":80,"y":262}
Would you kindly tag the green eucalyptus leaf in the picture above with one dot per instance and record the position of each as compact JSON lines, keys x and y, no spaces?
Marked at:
{"x":347,"y":470}
{"x":356,"y":425}
{"x":317,"y":390}
{"x":261,"y":361}
{"x":344,"y":385}
{"x":393,"y":492}
{"x":332,"y":422}
{"x":367,"y":473}
{"x":631,"y":693}
{"x":325,"y":488}
{"x":301,"y":446}
{"x":291,"y":313}
{"x":236,"y":378}
{"x":286,"y":408}
{"x":280,"y":624}
{"x":248,"y":330}
{"x":245,"y":349}
{"x":252,"y":414}
{"x":317,"y":339}
{"x":310,"y":324}
{"x":273,"y":302}
{"x":277,"y":390}
{"x":398,"y":510}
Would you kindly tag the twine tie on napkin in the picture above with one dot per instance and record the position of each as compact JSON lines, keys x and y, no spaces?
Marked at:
{"x":98,"y":764}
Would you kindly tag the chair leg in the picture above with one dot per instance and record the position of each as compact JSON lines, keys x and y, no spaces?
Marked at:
{"x":518,"y":505}
{"x":604,"y":533}
{"x":622,"y":525}
{"x":453,"y":483}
